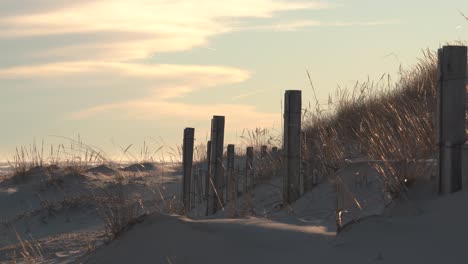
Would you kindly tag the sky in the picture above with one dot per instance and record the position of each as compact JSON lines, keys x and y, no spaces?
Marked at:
{"x":121,"y":72}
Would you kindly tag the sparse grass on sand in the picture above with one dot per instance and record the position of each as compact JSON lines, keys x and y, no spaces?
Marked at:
{"x":118,"y":209}
{"x":387,"y":121}
{"x":76,"y":157}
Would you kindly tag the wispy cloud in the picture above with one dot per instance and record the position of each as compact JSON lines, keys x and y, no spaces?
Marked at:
{"x":296,"y":25}
{"x":166,"y":80}
{"x":365,"y":23}
{"x":239,"y":115}
{"x":285,"y":26}
{"x":155,"y":26}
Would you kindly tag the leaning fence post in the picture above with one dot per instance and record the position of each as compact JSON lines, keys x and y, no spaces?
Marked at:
{"x":249,"y":181}
{"x":292,"y":146}
{"x":216,"y":173}
{"x":187,"y":160}
{"x":231,"y":187}
{"x":451,"y":94}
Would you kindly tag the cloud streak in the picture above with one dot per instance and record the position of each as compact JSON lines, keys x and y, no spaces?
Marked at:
{"x":296,"y":25}
{"x":155,"y":26}
{"x":167,"y":81}
{"x":239,"y":115}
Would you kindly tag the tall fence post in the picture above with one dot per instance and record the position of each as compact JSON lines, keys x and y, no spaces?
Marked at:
{"x":216,"y":173}
{"x":231,"y":187}
{"x":451,"y":94}
{"x":292,"y":146}
{"x":187,"y":160}
{"x":249,"y":180}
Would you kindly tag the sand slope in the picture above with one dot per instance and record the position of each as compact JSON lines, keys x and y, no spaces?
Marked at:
{"x":431,"y":231}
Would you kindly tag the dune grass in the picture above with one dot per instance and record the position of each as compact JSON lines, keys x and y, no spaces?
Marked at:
{"x":76,"y":156}
{"x":119,"y":210}
{"x":389,"y":121}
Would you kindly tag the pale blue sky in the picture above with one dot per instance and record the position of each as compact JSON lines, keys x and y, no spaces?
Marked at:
{"x":119,"y":72}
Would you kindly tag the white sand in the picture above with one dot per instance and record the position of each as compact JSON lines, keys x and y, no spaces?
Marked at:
{"x":429,"y":232}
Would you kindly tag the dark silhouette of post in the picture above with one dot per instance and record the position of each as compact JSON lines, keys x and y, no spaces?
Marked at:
{"x":275,"y":158}
{"x":274,"y":153}
{"x":199,"y":185}
{"x":451,"y":95}
{"x":187,"y":159}
{"x":249,"y":180}
{"x":262,"y":166}
{"x":207,"y":174}
{"x":306,"y":177}
{"x":216,"y":174}
{"x":263,"y":152}
{"x":292,"y":146}
{"x":231,"y":187}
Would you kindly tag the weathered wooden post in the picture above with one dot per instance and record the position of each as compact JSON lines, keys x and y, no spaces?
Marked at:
{"x":216,"y":173}
{"x":238,"y":178}
{"x":263,"y":152}
{"x":200,"y":192}
{"x":306,"y":179}
{"x":275,"y":158}
{"x":249,"y":180}
{"x":465,"y":167}
{"x":274,"y":153}
{"x":207,"y":174}
{"x":231,"y":178}
{"x":292,"y":146}
{"x":451,"y":95}
{"x":262,"y":173}
{"x":187,"y":159}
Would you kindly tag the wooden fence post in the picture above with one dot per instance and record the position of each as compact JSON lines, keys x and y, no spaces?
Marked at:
{"x":275,"y":159}
{"x":262,"y":165}
{"x":207,"y":174}
{"x":292,"y":146}
{"x":187,"y":160}
{"x":263,"y":152}
{"x":231,"y":187}
{"x":249,"y":180}
{"x":200,"y":185}
{"x":274,"y":153}
{"x":238,"y":179}
{"x":451,"y":94}
{"x":216,"y":173}
{"x":306,"y":179}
